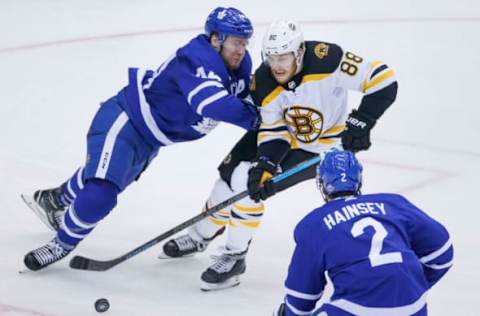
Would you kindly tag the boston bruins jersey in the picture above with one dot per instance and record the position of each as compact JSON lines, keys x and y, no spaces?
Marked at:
{"x":310,"y":110}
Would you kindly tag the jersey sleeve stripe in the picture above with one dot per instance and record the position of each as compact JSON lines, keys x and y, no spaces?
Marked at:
{"x":146,"y":111}
{"x":201,"y":86}
{"x":439,"y":266}
{"x":385,"y":75}
{"x":210,"y":100}
{"x":378,"y":70}
{"x":305,"y":296}
{"x":296,"y":310}
{"x":436,"y":253}
{"x":272,"y":96}
{"x":386,"y":83}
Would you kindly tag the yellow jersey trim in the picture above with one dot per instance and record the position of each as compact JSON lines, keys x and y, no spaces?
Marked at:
{"x":314,"y":77}
{"x":379,"y":79}
{"x":272,"y":95}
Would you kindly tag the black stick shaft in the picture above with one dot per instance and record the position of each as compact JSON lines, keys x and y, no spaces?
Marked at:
{"x":83,"y":263}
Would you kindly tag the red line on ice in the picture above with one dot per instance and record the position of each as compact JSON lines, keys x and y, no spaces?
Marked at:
{"x":6,"y":310}
{"x":261,"y":24}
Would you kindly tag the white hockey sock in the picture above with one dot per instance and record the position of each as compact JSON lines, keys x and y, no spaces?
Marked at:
{"x":206,"y":228}
{"x":245,"y":219}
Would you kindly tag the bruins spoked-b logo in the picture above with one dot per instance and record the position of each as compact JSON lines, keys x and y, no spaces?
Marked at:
{"x":305,"y":123}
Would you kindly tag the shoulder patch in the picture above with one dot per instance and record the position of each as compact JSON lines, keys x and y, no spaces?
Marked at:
{"x":321,"y":50}
{"x":321,"y":58}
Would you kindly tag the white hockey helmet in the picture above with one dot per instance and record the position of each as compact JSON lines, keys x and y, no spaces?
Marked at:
{"x":283,"y":37}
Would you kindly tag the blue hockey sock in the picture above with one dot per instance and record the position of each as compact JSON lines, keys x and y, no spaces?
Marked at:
{"x":92,"y":203}
{"x":71,"y":188}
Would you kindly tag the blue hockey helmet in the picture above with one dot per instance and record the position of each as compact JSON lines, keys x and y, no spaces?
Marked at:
{"x":228,"y":21}
{"x":339,"y":174}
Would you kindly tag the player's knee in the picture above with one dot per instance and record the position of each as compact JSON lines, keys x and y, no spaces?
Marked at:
{"x":240,"y":177}
{"x":96,"y":200}
{"x":221,"y":191}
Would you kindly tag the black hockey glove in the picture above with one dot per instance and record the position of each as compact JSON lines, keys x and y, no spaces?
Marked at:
{"x":356,"y":135}
{"x":258,"y":184}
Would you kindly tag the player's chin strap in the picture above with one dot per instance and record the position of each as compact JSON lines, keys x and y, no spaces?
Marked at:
{"x":83,"y":263}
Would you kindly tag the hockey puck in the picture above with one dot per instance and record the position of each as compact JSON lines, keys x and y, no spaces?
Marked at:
{"x":102,"y":305}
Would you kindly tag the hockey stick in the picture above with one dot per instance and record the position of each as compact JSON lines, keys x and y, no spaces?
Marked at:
{"x":83,"y":263}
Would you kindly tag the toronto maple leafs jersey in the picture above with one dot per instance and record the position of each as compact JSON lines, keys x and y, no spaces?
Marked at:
{"x":311,"y":109}
{"x":186,"y":97}
{"x":380,"y":251}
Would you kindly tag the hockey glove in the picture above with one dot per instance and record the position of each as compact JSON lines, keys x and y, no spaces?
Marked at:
{"x":257,"y":120}
{"x":258,"y":184}
{"x":356,"y":135}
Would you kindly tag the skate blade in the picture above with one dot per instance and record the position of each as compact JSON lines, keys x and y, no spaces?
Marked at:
{"x":163,"y":256}
{"x":207,"y":287}
{"x":37,"y":210}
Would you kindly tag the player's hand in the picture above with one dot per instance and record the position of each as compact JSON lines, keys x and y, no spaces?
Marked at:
{"x":356,"y":135}
{"x":258,"y":184}
{"x":257,"y":119}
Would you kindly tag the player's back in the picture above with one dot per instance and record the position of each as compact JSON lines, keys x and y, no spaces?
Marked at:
{"x":364,"y":244}
{"x":181,"y":100}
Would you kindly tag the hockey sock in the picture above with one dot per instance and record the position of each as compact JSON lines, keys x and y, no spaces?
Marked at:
{"x":71,"y":188}
{"x":246,"y":214}
{"x":208,"y":227}
{"x":92,"y":203}
{"x":245,"y":218}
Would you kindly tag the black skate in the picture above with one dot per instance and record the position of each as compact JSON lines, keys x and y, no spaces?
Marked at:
{"x":41,"y":257}
{"x":224,"y":273}
{"x":47,"y":206}
{"x":186,"y":246}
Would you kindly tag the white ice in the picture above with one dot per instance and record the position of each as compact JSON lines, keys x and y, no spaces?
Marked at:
{"x":59,"y":59}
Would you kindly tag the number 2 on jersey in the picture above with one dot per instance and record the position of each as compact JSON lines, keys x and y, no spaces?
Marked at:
{"x":375,"y":256}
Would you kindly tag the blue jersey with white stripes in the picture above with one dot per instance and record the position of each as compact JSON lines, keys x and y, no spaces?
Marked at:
{"x":380,"y":251}
{"x":188,"y":95}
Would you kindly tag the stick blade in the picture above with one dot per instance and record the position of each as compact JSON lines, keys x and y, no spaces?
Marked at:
{"x":82,"y":263}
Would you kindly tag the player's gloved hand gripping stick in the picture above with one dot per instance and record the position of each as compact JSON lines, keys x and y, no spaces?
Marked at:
{"x":83,"y":263}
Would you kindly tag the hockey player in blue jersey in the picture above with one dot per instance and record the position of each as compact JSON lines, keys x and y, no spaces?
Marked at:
{"x":201,"y":84}
{"x":380,"y":251}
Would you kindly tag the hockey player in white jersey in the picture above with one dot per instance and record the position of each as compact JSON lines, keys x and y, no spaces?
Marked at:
{"x":301,"y":89}
{"x":382,"y":253}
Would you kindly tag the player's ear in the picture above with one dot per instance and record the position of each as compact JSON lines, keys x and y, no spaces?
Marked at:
{"x":215,"y":42}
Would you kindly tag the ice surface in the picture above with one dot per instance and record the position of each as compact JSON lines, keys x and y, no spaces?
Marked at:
{"x":59,"y":59}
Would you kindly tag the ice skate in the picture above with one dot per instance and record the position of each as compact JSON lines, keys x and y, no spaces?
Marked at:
{"x":41,"y":257}
{"x":47,"y":206}
{"x":224,"y":272}
{"x":186,"y":246}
